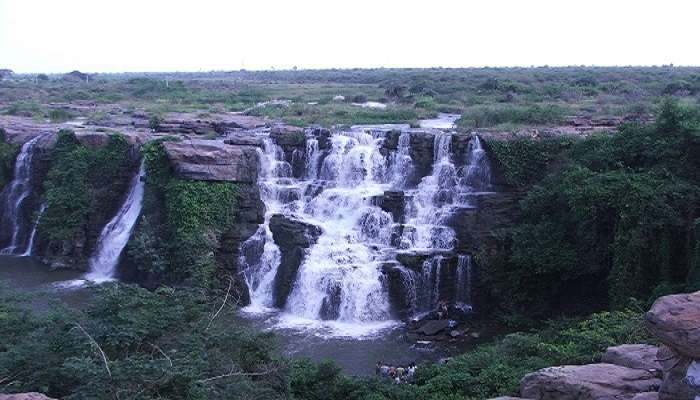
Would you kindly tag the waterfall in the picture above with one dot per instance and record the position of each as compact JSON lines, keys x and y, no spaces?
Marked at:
{"x":15,"y":195}
{"x":30,"y":245}
{"x":401,"y":163}
{"x":477,"y":173}
{"x":115,"y":235}
{"x":431,"y":202}
{"x":463,"y":291}
{"x":260,"y":256}
{"x":340,"y":283}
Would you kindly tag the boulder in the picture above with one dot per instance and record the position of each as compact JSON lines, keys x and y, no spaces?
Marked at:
{"x":212,"y":160}
{"x":293,"y":237}
{"x":675,"y":368}
{"x":637,"y":356}
{"x":25,"y":396}
{"x":431,"y":328}
{"x":587,"y":382}
{"x":675,"y":321}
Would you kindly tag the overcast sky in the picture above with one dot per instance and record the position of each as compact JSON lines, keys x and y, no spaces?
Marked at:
{"x":172,"y":35}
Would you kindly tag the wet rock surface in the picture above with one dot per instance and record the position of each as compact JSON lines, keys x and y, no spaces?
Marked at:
{"x":293,"y":238}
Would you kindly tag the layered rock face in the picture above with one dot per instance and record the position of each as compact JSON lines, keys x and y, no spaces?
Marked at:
{"x":213,"y":160}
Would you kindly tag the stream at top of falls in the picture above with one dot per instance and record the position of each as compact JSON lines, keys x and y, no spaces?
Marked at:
{"x":340,"y":289}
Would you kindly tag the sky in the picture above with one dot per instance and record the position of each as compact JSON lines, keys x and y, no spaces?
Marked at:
{"x":152,"y":35}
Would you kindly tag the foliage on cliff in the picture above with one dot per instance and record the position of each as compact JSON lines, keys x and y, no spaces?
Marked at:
{"x":615,"y":222}
{"x":524,"y":161}
{"x":8,"y":153}
{"x":181,"y":223}
{"x":83,"y":186}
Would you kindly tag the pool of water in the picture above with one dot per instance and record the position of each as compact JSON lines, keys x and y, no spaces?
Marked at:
{"x":357,"y":355}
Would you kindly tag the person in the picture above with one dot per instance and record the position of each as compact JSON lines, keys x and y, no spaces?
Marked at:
{"x":384,"y":370}
{"x":392,"y":372}
{"x":400,"y":371}
{"x":411,"y":370}
{"x":378,"y":368}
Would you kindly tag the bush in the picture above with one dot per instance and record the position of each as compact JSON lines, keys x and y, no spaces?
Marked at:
{"x":489,"y":116}
{"x":8,"y":154}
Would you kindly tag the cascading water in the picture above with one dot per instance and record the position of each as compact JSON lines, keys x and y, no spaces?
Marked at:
{"x":30,"y":245}
{"x":340,"y":284}
{"x":15,"y":195}
{"x":463,"y":291}
{"x":115,"y":235}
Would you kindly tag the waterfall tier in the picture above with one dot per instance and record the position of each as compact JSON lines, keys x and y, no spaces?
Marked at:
{"x":360,"y":243}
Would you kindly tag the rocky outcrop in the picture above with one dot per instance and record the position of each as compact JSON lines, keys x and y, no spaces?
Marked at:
{"x":478,"y":227}
{"x":292,"y":140}
{"x":213,"y":160}
{"x":25,"y":396}
{"x":675,"y":320}
{"x":293,"y":238}
{"x":249,"y":214}
{"x":588,"y":382}
{"x":675,"y":369}
{"x":422,"y":146}
{"x":636,"y":356}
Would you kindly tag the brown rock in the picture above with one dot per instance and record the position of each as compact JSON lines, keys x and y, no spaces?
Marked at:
{"x":587,"y":382}
{"x":675,"y":320}
{"x":212,"y":160}
{"x":637,"y":356}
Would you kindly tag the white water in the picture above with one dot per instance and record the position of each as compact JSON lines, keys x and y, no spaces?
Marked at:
{"x":339,"y":288}
{"x":442,"y":121}
{"x":15,"y":195}
{"x":115,"y":235}
{"x":30,"y":245}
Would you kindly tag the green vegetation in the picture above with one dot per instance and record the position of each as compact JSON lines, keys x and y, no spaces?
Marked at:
{"x":181,"y":223}
{"x":502,"y":98}
{"x":181,"y":344}
{"x":490,"y":116}
{"x":615,"y":222}
{"x":8,"y":154}
{"x":83,"y":185}
{"x":496,"y":369}
{"x":524,"y":161}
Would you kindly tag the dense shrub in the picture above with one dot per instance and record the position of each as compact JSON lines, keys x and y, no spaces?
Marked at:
{"x":488,"y":116}
{"x":132,"y":343}
{"x":523,"y":161}
{"x":615,"y":222}
{"x":8,"y":153}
